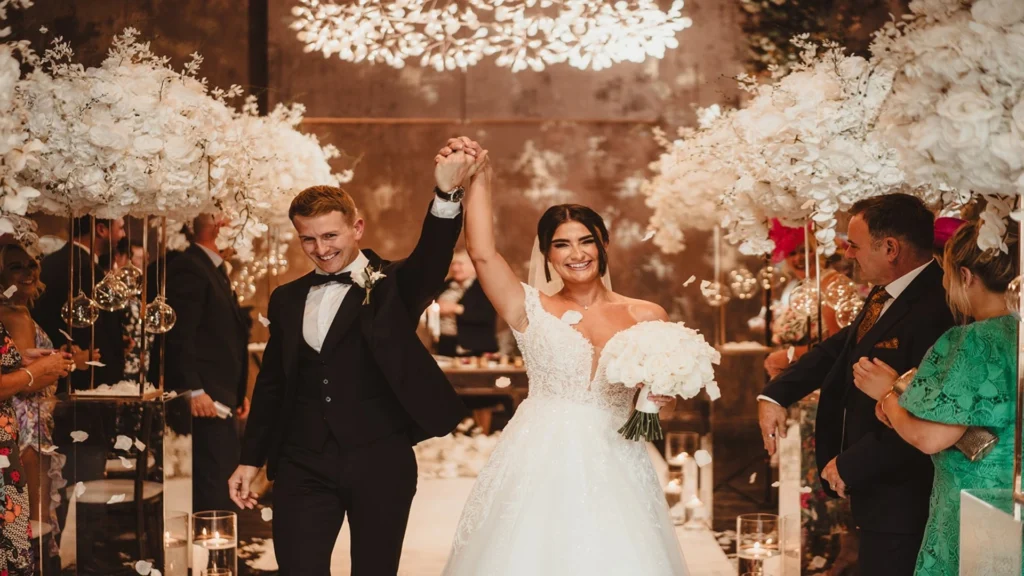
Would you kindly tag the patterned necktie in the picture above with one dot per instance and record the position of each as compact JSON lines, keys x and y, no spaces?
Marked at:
{"x":874,"y":309}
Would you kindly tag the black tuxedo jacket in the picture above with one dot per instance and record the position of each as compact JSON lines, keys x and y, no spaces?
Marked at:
{"x":478,"y":322}
{"x":387,"y":325}
{"x":888,"y":480}
{"x":208,"y":347}
{"x":108,"y":329}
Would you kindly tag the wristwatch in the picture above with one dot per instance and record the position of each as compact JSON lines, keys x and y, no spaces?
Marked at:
{"x":454,"y":196}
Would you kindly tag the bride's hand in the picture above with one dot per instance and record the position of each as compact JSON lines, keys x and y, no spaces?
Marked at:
{"x":660,"y":400}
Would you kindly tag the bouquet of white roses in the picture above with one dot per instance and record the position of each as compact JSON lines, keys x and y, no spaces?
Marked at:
{"x":668,"y":359}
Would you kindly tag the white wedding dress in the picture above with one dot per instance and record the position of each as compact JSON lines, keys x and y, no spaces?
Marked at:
{"x":563,"y":493}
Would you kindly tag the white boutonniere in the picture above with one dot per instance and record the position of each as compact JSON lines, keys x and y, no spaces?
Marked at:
{"x":367,"y":278}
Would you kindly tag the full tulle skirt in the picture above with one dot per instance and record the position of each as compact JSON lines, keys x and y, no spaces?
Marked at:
{"x":564,"y":494}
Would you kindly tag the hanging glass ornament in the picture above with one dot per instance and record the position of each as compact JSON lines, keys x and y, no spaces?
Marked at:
{"x":111,"y":294}
{"x":848,"y":310}
{"x":160,"y":317}
{"x":83,"y":311}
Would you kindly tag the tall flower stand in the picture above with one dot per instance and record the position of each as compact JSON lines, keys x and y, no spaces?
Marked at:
{"x":127,"y":467}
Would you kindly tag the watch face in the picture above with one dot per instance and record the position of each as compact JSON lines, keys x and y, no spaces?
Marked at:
{"x":457,"y":194}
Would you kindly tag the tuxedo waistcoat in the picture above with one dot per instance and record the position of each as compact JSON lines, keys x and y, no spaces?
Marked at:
{"x":342,"y":393}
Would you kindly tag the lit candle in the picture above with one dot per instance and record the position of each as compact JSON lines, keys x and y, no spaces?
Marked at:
{"x":434,"y":320}
{"x":217,"y":542}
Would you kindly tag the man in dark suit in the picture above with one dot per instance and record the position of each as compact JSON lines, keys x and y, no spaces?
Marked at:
{"x":346,"y":387}
{"x":468,"y":320}
{"x":109,"y":339}
{"x":207,"y":357}
{"x":887,"y":480}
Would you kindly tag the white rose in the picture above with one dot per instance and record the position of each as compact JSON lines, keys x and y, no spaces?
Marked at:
{"x":999,"y":13}
{"x":147,"y":145}
{"x":967,"y":105}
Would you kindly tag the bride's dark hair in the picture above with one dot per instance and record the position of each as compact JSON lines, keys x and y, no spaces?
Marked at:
{"x":562,"y":213}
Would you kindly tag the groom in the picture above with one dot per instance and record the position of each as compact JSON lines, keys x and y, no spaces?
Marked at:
{"x":346,"y":388}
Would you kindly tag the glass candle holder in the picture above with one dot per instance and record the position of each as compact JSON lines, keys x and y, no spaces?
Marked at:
{"x":757,"y":544}
{"x":674,"y":496}
{"x":218,"y":572}
{"x":679,"y":446}
{"x":215,"y":542}
{"x":176,"y":531}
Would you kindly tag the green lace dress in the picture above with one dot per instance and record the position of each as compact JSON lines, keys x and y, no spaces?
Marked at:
{"x":968,"y":378}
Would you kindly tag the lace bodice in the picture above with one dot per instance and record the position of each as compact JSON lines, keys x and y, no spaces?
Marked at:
{"x":559,"y":361}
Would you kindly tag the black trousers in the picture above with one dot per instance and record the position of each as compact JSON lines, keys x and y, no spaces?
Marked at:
{"x":373,"y":484}
{"x":888,"y":554}
{"x":215,"y":453}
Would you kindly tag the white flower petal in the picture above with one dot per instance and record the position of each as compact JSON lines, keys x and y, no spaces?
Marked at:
{"x":128,"y":464}
{"x":806,"y":490}
{"x":123,"y":442}
{"x":776,"y":484}
{"x":503,"y":382}
{"x":702,"y":458}
{"x":572,"y":317}
{"x":48,"y":449}
{"x":5,"y":462}
{"x":263,"y":320}
{"x":79,"y":489}
{"x":116,"y":499}
{"x":140,"y":445}
{"x":66,"y":335}
{"x":10,"y":291}
{"x":79,"y":436}
{"x":95,"y":363}
{"x":790,"y":353}
{"x":144,"y":568}
{"x":647,"y":236}
{"x":689,"y":281}
{"x":753,"y":478}
{"x":267,"y":514}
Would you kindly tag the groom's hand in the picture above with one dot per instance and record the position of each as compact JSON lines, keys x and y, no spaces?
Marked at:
{"x":455,"y":162}
{"x":238,"y":486}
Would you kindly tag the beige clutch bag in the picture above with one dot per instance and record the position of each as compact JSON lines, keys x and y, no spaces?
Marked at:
{"x":976,"y":442}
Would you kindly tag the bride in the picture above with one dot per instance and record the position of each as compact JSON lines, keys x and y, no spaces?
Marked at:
{"x":563,"y":493}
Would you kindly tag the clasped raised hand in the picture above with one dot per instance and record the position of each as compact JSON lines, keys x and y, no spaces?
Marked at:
{"x":457,"y":161}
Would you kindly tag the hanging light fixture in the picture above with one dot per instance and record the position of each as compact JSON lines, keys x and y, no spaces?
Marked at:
{"x":519,"y":34}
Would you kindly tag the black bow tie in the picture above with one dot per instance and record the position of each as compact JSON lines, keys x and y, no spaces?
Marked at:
{"x":321,"y":279}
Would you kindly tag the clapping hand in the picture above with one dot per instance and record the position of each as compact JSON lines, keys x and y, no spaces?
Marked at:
{"x":874,"y":377}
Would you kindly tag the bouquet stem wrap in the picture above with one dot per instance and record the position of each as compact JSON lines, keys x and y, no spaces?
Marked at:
{"x":643,"y":423}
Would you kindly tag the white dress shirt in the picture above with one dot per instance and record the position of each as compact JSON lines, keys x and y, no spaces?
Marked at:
{"x":894,"y":288}
{"x":323,"y":302}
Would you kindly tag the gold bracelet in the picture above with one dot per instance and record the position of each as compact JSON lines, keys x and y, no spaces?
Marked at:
{"x":887,"y":394}
{"x":31,"y":378}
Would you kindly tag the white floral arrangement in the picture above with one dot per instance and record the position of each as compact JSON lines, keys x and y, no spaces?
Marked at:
{"x":956,"y":112}
{"x":664,"y":358}
{"x":19,"y":151}
{"x":690,"y":179}
{"x":132,"y":136}
{"x":809,"y":148}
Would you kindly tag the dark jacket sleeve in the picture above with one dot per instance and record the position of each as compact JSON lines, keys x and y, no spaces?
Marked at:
{"x":186,"y":292}
{"x":809,"y":371}
{"x":267,"y":395}
{"x":421,"y":275}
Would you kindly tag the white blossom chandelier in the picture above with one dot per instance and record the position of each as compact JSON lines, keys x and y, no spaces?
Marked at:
{"x":520,"y":34}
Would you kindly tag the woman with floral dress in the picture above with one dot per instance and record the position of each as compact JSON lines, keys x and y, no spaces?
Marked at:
{"x":19,"y":273}
{"x":36,"y":370}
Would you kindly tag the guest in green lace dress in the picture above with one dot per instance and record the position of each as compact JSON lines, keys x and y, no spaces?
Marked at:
{"x":968,"y":378}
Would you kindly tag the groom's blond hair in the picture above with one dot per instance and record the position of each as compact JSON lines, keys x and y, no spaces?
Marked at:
{"x":320,"y":200}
